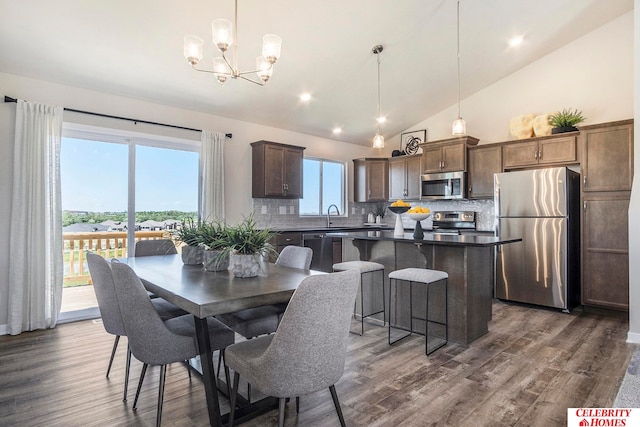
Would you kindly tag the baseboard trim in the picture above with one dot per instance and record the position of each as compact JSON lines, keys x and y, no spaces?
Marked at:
{"x":77,"y":315}
{"x":633,"y":337}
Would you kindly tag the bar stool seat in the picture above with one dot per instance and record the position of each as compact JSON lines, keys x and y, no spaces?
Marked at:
{"x":429,"y":278}
{"x":364,"y":267}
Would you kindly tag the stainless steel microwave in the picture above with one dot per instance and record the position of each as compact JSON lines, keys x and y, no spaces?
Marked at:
{"x":444,"y":186}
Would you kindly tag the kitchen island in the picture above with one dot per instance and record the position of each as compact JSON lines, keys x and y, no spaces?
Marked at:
{"x":467,"y":258}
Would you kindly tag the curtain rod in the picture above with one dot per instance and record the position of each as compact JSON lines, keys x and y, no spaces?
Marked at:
{"x":228,"y":135}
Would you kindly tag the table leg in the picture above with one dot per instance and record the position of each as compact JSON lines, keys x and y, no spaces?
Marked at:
{"x":208,"y":373}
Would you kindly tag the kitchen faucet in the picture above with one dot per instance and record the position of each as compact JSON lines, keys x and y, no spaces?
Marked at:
{"x":329,"y":214}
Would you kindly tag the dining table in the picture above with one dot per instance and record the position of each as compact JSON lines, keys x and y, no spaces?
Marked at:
{"x":205,"y":293}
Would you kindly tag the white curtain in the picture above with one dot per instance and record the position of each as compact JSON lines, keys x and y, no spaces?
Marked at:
{"x":212,"y":175}
{"x":35,"y":259}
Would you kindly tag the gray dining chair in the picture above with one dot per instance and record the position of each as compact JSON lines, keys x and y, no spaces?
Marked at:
{"x":154,"y":247}
{"x":253,"y":322}
{"x":307,"y":353}
{"x":104,"y":288}
{"x":156,"y":342}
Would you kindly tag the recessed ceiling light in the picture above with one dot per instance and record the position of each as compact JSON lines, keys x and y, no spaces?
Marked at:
{"x":337,"y":131}
{"x":381,"y":119}
{"x":305,"y":97}
{"x":516,"y":41}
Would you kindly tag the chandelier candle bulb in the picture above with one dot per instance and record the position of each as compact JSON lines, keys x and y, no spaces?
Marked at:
{"x":264,"y":67}
{"x":271,"y":47}
{"x":193,"y":46}
{"x":222,"y":33}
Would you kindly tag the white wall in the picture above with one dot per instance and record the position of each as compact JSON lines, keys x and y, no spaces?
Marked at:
{"x":593,"y":73}
{"x":237,"y":149}
{"x":634,"y":207}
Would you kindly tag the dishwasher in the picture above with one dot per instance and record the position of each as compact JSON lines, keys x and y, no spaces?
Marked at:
{"x":323,"y":250}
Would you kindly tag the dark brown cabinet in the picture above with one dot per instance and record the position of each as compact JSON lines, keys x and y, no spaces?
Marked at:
{"x":444,"y":157}
{"x":371,"y":180}
{"x":482,"y":163}
{"x":542,"y":151}
{"x":605,"y":252}
{"x":277,"y":170}
{"x":608,"y":158}
{"x":607,"y":173}
{"x":404,"y":177}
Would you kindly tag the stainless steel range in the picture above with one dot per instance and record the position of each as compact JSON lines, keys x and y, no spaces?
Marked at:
{"x":453,"y":222}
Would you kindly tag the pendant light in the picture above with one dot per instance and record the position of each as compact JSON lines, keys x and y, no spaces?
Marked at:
{"x":378,"y":140}
{"x":459,"y":127}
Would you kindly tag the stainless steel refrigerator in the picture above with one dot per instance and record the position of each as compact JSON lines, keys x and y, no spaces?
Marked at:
{"x":541,"y":206}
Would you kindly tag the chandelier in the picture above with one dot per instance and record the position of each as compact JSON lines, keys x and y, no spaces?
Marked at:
{"x":459,"y":127}
{"x":225,"y":35}
{"x":378,"y":140}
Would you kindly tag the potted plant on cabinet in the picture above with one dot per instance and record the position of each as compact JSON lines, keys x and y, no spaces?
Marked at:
{"x":246,"y":245}
{"x":190,"y":235}
{"x":565,"y":121}
{"x":213,"y":239}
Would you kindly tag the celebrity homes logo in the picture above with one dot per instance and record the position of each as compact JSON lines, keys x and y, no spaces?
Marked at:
{"x":603,"y":417}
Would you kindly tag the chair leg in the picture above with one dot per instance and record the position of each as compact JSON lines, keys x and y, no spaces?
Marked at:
{"x":232,"y":400}
{"x":144,"y":371}
{"x":336,"y":403}
{"x":127,"y":369}
{"x":188,"y":369}
{"x":297,"y":404}
{"x":113,"y":354}
{"x":281,"y":404}
{"x":163,"y":375}
{"x":227,"y":377}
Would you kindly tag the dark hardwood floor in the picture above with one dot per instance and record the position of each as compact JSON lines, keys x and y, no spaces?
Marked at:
{"x":531,"y":366}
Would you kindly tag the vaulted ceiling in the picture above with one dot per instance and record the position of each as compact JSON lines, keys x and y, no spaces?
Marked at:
{"x":134,"y":48}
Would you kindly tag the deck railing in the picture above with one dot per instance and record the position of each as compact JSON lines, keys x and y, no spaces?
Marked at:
{"x":107,"y":244}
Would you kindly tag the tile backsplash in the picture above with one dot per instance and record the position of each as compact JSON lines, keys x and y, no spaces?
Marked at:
{"x":283,"y":213}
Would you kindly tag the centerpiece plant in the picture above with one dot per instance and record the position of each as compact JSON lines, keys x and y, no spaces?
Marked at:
{"x":190,"y":235}
{"x":213,"y":239}
{"x":246,"y":245}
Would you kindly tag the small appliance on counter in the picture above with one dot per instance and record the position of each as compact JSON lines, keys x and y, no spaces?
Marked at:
{"x":453,"y":222}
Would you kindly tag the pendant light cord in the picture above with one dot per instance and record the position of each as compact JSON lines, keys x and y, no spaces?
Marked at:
{"x":458,"y":29}
{"x":378,"y":118}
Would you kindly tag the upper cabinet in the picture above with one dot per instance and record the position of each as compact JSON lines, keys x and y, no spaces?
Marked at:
{"x":483,"y":161}
{"x":371,"y":180}
{"x":541,"y":151}
{"x":607,"y":157}
{"x":404,"y":177}
{"x":277,"y":170}
{"x":447,"y":155}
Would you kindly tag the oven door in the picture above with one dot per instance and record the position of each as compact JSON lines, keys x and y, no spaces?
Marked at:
{"x":449,"y":185}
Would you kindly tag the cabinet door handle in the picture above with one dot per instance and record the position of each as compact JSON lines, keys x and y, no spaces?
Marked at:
{"x":540,"y":155}
{"x":584,"y":180}
{"x":584,"y":206}
{"x":535,"y":154}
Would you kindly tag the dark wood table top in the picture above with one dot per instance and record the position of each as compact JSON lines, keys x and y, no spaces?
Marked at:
{"x":206,"y":293}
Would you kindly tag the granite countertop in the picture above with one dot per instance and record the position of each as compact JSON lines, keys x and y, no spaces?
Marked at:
{"x":321,"y":229}
{"x":429,"y":238}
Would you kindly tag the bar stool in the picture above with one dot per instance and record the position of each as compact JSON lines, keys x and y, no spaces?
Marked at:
{"x":428,"y":278}
{"x":365,"y":267}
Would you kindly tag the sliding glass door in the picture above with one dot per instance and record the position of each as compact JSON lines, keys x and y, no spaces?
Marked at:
{"x":115,"y":191}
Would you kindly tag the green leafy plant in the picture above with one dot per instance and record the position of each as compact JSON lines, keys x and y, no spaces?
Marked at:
{"x":380,"y":209}
{"x":246,"y":239}
{"x":190,"y":233}
{"x":566,"y":118}
{"x":213,"y":235}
